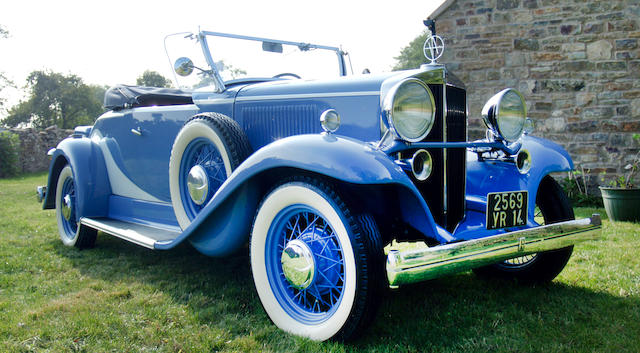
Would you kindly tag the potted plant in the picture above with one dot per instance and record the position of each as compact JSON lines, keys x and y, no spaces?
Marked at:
{"x":622,"y":198}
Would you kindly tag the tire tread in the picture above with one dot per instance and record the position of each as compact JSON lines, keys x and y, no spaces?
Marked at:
{"x":231,"y":133}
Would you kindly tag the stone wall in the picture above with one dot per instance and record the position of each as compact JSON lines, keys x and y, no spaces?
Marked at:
{"x":34,"y":145}
{"x":576,"y":62}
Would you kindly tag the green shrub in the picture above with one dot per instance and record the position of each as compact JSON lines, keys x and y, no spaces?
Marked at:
{"x":9,"y":154}
{"x":575,"y":186}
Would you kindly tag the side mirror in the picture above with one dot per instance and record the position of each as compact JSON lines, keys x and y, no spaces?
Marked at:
{"x":272,"y":47}
{"x":183,"y":66}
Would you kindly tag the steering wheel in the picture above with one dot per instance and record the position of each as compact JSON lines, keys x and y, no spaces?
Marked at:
{"x":286,"y":74}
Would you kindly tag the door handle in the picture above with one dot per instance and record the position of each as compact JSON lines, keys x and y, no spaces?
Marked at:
{"x":137,"y":131}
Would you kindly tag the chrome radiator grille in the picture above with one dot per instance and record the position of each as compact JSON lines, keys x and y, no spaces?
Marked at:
{"x":444,"y":190}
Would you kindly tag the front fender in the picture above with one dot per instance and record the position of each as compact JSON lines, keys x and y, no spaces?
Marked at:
{"x":488,"y":176}
{"x":89,"y":172}
{"x":546,"y":157}
{"x":342,"y":159}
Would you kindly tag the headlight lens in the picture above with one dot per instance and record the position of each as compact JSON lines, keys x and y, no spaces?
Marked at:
{"x":410,"y":109}
{"x":505,"y":114}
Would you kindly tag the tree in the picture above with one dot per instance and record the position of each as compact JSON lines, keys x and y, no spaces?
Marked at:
{"x":57,"y":99}
{"x":152,"y":79}
{"x":4,"y":81}
{"x":411,"y":56}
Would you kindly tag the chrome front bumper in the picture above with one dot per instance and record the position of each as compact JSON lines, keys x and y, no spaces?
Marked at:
{"x":41,"y":192}
{"x":422,"y":264}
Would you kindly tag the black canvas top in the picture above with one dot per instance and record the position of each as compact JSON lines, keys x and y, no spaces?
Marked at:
{"x":123,"y":96}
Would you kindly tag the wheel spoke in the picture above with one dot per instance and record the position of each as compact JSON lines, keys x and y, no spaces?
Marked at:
{"x":309,"y":225}
{"x":318,"y":296}
{"x":321,"y":273}
{"x":339,"y":262}
{"x":326,"y":288}
{"x":295,"y":232}
{"x":332,"y":266}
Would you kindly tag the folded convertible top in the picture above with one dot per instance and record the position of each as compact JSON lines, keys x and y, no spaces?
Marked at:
{"x":123,"y":96}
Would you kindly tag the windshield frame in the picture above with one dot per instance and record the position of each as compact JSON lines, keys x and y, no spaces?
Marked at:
{"x":215,"y":74}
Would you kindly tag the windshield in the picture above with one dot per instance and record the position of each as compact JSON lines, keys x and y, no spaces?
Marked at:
{"x":236,"y":57}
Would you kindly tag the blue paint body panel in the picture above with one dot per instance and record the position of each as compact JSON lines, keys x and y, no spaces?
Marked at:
{"x":273,"y":110}
{"x":156,"y":214}
{"x":144,"y":158}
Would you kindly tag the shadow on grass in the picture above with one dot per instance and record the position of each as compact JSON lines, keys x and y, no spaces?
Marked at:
{"x":465,"y":313}
{"x":457,"y":313}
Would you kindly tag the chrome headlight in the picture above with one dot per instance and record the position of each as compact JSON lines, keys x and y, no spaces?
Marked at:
{"x":410,"y":109}
{"x":505,"y":114}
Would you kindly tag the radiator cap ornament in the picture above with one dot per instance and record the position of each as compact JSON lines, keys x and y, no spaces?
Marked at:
{"x":433,"y":48}
{"x":434,"y":45}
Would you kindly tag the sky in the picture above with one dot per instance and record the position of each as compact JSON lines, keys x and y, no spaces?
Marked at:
{"x":111,"y":42}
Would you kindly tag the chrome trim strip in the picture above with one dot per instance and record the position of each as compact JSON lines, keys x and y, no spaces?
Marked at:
{"x":399,"y":146}
{"x":412,"y":266}
{"x":213,"y":100}
{"x":445,"y":113}
{"x":159,"y":108}
{"x":139,"y":234}
{"x":308,"y":95}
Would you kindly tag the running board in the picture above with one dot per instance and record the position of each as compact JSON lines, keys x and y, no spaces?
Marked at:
{"x":136,"y":233}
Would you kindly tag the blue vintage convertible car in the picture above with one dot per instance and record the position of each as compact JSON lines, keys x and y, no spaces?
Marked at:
{"x":326,"y":175}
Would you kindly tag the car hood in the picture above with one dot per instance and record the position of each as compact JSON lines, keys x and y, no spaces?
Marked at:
{"x":309,"y":88}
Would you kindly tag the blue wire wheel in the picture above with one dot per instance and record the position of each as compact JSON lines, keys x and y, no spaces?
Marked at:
{"x":315,"y":301}
{"x":205,"y":156}
{"x":200,"y":163}
{"x":66,"y":206}
{"x":68,"y":200}
{"x":68,"y":214}
{"x":303,"y":262}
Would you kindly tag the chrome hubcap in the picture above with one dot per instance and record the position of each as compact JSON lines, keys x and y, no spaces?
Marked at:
{"x":298,"y":264}
{"x":66,"y":206}
{"x":198,"y":184}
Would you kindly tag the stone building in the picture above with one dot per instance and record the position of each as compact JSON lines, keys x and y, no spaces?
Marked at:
{"x":34,"y":145}
{"x":577,"y":63}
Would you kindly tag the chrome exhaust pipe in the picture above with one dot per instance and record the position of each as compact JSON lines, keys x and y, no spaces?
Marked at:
{"x":412,"y":266}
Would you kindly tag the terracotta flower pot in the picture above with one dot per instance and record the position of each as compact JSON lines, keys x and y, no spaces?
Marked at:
{"x":622,"y":204}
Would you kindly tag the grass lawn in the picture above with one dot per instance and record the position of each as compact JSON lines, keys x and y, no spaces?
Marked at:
{"x":121,"y":297}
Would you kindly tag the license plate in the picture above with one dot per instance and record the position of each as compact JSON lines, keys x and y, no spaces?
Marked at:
{"x":506,"y":209}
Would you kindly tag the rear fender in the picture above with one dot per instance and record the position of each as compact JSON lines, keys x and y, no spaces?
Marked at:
{"x":89,"y":172}
{"x":344,"y":160}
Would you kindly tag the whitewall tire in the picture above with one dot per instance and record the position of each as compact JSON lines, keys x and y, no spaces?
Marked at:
{"x":205,"y":152}
{"x":303,"y":225}
{"x":71,"y":233}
